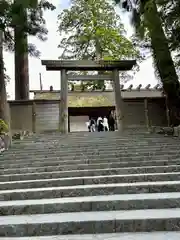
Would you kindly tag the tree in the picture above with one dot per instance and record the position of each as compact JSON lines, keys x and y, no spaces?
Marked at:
{"x":93,"y":30}
{"x":147,"y":21}
{"x":25,"y":17}
{"x":169,"y":11}
{"x":9,"y":17}
{"x":3,"y":95}
{"x":30,"y":17}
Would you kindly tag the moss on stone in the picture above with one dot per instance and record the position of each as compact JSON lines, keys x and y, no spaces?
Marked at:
{"x":78,"y":100}
{"x":93,"y":101}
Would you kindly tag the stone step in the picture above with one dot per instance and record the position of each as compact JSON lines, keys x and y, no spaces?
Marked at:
{"x":80,"y":149}
{"x":90,"y":190}
{"x":111,"y":236}
{"x":85,"y":144}
{"x":115,"y":144}
{"x":106,"y":179}
{"x":97,"y":136}
{"x":92,"y":154}
{"x":84,"y":157}
{"x":91,"y":203}
{"x":84,"y":166}
{"x":133,"y":162}
{"x":90,"y":222}
{"x":90,"y":172}
{"x":101,"y":145}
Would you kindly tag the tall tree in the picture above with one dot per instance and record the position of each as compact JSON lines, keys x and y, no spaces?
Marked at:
{"x":3,"y":95}
{"x":93,"y":30}
{"x":169,"y":12}
{"x":29,"y":13}
{"x":35,"y":25}
{"x":147,"y":19}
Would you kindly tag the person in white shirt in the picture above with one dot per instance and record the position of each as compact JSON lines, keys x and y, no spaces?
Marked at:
{"x":105,"y":123}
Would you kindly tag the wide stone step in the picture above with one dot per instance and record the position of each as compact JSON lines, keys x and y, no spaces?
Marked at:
{"x":113,"y":138}
{"x":61,"y":167}
{"x":112,"y":236}
{"x":93,"y":155}
{"x":73,"y":147}
{"x":106,"y":179}
{"x":115,"y":145}
{"x":89,"y":146}
{"x":97,"y":150}
{"x":90,"y":172}
{"x":90,"y":222}
{"x":91,"y":158}
{"x":91,"y":203}
{"x":85,"y":166}
{"x":90,"y":190}
{"x":135,"y":161}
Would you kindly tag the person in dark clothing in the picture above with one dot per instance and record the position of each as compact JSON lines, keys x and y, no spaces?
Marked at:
{"x":111,"y":123}
{"x":91,"y":126}
{"x":100,"y":125}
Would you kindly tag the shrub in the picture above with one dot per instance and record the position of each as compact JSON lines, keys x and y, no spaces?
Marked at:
{"x":3,"y":127}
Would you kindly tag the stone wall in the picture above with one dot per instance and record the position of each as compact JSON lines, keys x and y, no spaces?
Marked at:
{"x":42,"y":115}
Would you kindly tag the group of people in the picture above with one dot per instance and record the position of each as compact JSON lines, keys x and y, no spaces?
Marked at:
{"x":101,"y":124}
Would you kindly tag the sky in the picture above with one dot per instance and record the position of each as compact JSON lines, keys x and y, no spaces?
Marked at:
{"x":49,"y":51}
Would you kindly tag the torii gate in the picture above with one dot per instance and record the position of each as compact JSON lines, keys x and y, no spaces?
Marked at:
{"x":87,"y":65}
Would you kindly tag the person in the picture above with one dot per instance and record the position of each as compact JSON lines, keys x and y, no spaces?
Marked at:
{"x":91,"y":125}
{"x":100,"y":126}
{"x":111,"y":122}
{"x":105,"y":123}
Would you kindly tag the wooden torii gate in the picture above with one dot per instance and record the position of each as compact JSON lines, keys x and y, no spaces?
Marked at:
{"x":87,"y":65}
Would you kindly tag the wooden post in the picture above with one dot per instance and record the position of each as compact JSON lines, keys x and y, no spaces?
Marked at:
{"x":167,"y":111}
{"x":118,"y":100}
{"x":60,"y":113}
{"x":34,"y":117}
{"x":146,"y":113}
{"x":64,"y":103}
{"x":69,"y":123}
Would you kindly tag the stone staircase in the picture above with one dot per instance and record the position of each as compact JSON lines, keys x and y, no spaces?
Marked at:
{"x":91,"y":186}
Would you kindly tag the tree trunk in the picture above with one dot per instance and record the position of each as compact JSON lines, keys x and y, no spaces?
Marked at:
{"x":3,"y":96}
{"x":21,"y":59}
{"x":163,"y":58}
{"x":99,"y":83}
{"x":4,"y":107}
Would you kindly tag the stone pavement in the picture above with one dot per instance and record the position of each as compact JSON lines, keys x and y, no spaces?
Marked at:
{"x":91,"y":186}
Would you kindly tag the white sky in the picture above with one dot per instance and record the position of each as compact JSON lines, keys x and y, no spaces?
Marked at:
{"x":49,"y":50}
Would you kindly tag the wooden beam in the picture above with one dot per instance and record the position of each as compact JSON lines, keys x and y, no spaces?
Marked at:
{"x":78,"y":65}
{"x":89,"y":77}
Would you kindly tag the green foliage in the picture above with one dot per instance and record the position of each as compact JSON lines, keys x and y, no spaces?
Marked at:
{"x":3,"y":127}
{"x":93,"y":30}
{"x":169,"y":11}
{"x":148,"y":22}
{"x":89,"y":22}
{"x":27,"y":14}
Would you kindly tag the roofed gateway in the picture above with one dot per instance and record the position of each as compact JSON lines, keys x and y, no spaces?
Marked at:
{"x":81,"y":65}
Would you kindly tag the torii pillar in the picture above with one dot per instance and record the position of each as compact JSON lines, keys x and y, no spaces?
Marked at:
{"x":63,"y":113}
{"x":118,"y":99}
